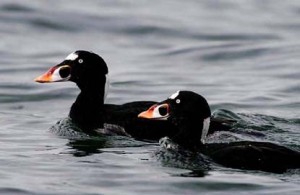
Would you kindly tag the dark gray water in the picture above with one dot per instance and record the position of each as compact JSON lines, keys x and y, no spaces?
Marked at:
{"x":242,"y":56}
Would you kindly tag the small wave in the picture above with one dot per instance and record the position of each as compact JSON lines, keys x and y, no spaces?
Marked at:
{"x":14,"y":191}
{"x":236,"y":37}
{"x":66,"y":128}
{"x":226,"y":114}
{"x":172,"y":155}
{"x":53,"y":25}
{"x":33,"y":97}
{"x":15,"y":8}
{"x":235,"y":55}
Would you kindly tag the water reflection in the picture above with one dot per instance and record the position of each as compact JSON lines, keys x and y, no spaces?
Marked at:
{"x":86,"y":147}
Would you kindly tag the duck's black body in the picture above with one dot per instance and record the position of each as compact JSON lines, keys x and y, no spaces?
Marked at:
{"x":89,"y":71}
{"x":188,"y":111}
{"x":250,"y":155}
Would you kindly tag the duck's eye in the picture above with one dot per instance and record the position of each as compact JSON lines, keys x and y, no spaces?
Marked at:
{"x":163,"y":110}
{"x":64,"y":72}
{"x":178,"y":101}
{"x":80,"y":61}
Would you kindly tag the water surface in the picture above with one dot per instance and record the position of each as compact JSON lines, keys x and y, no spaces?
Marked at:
{"x":242,"y":56}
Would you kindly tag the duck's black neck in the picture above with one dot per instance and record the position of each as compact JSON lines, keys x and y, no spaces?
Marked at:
{"x":190,"y":132}
{"x":87,"y":110}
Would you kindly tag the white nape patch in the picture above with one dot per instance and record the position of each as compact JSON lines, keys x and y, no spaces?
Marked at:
{"x":206,"y":123}
{"x":106,"y":87}
{"x":172,"y":97}
{"x":72,"y":56}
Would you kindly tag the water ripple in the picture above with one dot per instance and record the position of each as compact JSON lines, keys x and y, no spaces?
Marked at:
{"x":12,"y":7}
{"x":242,"y":55}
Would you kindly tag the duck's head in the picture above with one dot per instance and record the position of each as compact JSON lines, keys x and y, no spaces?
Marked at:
{"x":188,"y":111}
{"x":82,"y":67}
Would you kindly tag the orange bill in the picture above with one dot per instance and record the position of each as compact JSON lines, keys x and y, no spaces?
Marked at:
{"x":46,"y":77}
{"x":156,"y":112}
{"x":148,"y":113}
{"x":55,"y":74}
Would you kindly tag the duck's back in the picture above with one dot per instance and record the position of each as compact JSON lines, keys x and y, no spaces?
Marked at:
{"x":254,"y":156}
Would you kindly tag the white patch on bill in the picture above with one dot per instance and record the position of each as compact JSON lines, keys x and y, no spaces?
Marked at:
{"x":157,"y":115}
{"x":56,"y":76}
{"x":72,"y":56}
{"x":206,"y":123}
{"x":172,"y":97}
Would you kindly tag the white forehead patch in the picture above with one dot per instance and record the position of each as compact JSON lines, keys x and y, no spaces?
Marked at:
{"x":174,"y":95}
{"x":72,"y":56}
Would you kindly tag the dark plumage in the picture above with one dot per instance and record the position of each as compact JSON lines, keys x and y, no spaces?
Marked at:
{"x":190,"y":112}
{"x":89,"y":71}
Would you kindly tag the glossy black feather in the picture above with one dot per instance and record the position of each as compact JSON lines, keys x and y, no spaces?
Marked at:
{"x":243,"y":154}
{"x":89,"y":71}
{"x":250,"y":155}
